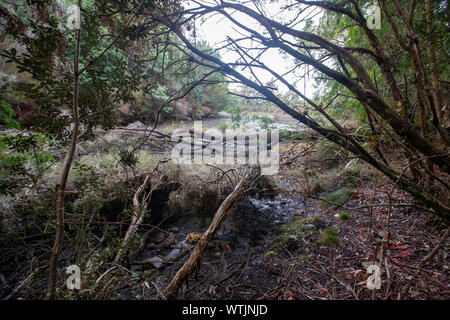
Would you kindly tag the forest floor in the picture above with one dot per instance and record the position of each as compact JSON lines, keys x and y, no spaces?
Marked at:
{"x":295,"y":246}
{"x":314,"y":237}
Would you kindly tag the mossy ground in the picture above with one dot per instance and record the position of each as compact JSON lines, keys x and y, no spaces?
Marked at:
{"x":329,"y":237}
{"x":296,"y":229}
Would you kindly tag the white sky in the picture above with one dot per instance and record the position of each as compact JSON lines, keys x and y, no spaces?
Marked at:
{"x":216,"y":28}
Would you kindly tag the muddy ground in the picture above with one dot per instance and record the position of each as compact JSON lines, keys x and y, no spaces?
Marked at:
{"x":273,"y":248}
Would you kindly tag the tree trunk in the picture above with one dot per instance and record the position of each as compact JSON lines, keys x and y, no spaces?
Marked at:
{"x":61,"y":187}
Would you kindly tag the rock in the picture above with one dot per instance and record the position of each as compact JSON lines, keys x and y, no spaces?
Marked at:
{"x":185,"y":245}
{"x":156,"y":261}
{"x":159,"y":237}
{"x":166,"y":245}
{"x":171,"y":239}
{"x":173,"y":254}
{"x":309,"y":226}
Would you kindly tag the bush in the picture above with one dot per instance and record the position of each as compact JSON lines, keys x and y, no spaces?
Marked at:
{"x":294,"y":229}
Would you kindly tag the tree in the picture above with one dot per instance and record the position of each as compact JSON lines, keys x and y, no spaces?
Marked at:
{"x":104,"y":71}
{"x":349,"y":67}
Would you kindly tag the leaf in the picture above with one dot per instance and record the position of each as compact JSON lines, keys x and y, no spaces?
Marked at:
{"x":351,"y":162}
{"x":6,"y":116}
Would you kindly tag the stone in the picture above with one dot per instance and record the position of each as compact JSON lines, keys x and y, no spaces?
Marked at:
{"x":166,"y":245}
{"x":156,"y":261}
{"x":171,"y":239}
{"x":292,"y":243}
{"x":309,"y":226}
{"x":159,"y":237}
{"x":173,"y":254}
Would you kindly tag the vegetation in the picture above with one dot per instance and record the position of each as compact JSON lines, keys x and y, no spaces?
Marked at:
{"x":344,"y":216}
{"x":339,"y":196}
{"x":329,"y":237}
{"x":295,"y":229}
{"x":89,"y":115}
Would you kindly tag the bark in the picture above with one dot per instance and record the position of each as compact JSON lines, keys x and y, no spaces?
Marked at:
{"x":61,"y":187}
{"x":193,"y":263}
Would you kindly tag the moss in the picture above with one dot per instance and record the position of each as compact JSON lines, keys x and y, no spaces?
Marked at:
{"x":329,"y":237}
{"x":270,"y":254}
{"x":293,"y":229}
{"x":344,"y":216}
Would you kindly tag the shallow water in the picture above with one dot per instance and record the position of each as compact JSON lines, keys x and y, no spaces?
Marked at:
{"x":284,"y":122}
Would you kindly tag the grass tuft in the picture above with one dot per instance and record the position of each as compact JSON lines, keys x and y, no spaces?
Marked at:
{"x":329,"y":237}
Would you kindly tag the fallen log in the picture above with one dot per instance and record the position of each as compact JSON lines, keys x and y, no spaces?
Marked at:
{"x":193,"y":263}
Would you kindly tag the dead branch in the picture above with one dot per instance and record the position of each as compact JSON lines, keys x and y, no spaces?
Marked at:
{"x":139,"y":210}
{"x":226,"y":208}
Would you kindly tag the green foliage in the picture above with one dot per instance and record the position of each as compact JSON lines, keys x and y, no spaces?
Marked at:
{"x":128,"y":158}
{"x":23,"y":159}
{"x":330,"y":152}
{"x":286,"y":135}
{"x":339,"y":196}
{"x":224,"y":126}
{"x":6,"y":116}
{"x":237,"y":116}
{"x":265,"y":122}
{"x":309,"y":180}
{"x":293,"y":229}
{"x":356,"y":171}
{"x":344,"y":216}
{"x":328,"y":237}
